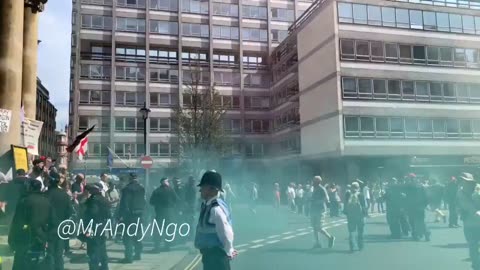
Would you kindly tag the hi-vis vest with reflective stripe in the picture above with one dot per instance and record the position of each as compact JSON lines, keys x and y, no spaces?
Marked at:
{"x":206,"y":235}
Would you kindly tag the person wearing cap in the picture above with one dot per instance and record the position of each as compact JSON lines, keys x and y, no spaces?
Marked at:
{"x":131,"y":209}
{"x":318,"y":211}
{"x":164,"y":200}
{"x":471,"y":217}
{"x":97,"y":211}
{"x":214,"y":234}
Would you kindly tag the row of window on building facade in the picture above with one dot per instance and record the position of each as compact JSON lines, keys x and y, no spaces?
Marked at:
{"x":389,"y":52}
{"x":168,"y":125}
{"x":395,"y":127}
{"x":169,"y":149}
{"x":129,"y":73}
{"x":202,"y":7}
{"x":410,"y":90}
{"x":169,"y":56}
{"x":408,"y":18}
{"x":188,"y":29}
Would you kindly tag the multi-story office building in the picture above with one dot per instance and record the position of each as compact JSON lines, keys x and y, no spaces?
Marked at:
{"x":354,"y":87}
{"x":385,"y":86}
{"x":128,"y":52}
{"x":46,"y":113}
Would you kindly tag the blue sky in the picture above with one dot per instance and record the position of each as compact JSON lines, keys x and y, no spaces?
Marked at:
{"x":54,"y":55}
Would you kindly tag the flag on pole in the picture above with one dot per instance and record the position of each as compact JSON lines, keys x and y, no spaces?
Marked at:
{"x":78,"y":140}
{"x":109,"y":159}
{"x":115,"y":155}
{"x":82,"y":148}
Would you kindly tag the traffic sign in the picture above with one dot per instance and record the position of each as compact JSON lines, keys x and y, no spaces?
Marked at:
{"x":146,"y":162}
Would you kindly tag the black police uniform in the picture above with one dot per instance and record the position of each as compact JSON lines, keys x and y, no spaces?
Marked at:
{"x":63,"y":210}
{"x":164,"y":200}
{"x":132,"y":207}
{"x":97,"y":209}
{"x":32,"y":225}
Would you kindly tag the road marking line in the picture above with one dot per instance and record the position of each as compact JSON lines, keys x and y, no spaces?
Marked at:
{"x":241,"y":250}
{"x":299,"y":230}
{"x":257,"y":246}
{"x":303,"y":233}
{"x":287,"y":232}
{"x":193,"y":263}
{"x":239,"y":246}
{"x":273,"y":236}
{"x":273,"y":241}
{"x":258,"y":241}
{"x":289,"y":237}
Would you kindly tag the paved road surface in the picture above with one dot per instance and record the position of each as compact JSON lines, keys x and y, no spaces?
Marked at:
{"x":282,"y":240}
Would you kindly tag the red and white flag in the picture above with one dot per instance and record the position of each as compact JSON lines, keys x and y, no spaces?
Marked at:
{"x":82,"y":148}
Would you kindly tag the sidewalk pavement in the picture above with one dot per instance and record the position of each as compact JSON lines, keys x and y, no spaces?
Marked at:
{"x":149,"y":261}
{"x":79,"y":261}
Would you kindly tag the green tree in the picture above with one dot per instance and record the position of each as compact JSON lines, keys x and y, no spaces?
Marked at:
{"x":199,"y":121}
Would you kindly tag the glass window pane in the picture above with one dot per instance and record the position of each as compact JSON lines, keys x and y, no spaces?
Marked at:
{"x":425,"y":125}
{"x":402,"y":18}
{"x":394,"y":88}
{"x":374,"y":15}
{"x":468,"y":24}
{"x":396,"y":126}
{"x":433,"y":55}
{"x":381,"y":124}
{"x":456,"y":23}
{"x":429,"y":21}
{"x":379,"y":88}
{"x":388,"y":16}
{"x":365,"y":86}
{"x":408,"y":89}
{"x":351,"y":124}
{"x":443,"y":23}
{"x":391,"y":52}
{"x":359,"y":14}
{"x":345,"y":12}
{"x":416,"y":19}
{"x":376,"y":48}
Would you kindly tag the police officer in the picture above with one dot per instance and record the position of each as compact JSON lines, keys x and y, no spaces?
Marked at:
{"x":62,"y":203}
{"x":214,"y":236}
{"x":97,"y":209}
{"x":132,"y":207}
{"x":33,"y":223}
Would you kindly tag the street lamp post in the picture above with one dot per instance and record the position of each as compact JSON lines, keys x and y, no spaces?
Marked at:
{"x":145,"y":111}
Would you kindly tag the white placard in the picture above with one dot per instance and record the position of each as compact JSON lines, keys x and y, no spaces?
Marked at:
{"x":5,"y":119}
{"x":30,"y":133}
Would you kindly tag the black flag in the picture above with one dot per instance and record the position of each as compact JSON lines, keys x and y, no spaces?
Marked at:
{"x":77,"y":140}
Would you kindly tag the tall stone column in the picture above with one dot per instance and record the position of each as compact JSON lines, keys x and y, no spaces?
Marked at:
{"x":30,"y":62}
{"x":11,"y":57}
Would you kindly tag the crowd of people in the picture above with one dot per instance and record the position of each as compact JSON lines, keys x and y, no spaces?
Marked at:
{"x":36,"y":202}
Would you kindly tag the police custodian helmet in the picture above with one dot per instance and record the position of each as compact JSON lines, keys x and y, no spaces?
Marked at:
{"x":211,"y":178}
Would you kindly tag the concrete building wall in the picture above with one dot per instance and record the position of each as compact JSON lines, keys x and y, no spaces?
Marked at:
{"x":318,"y":82}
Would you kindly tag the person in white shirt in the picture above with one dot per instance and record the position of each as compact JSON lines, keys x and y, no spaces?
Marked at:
{"x":104,"y":183}
{"x":37,"y":172}
{"x":214,"y":236}
{"x":291,"y":197}
{"x":299,"y":199}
